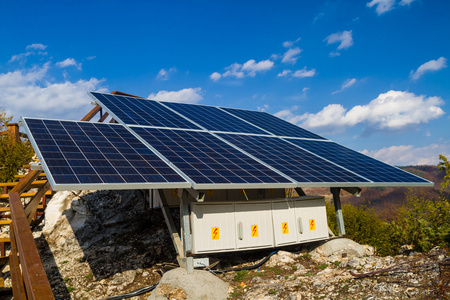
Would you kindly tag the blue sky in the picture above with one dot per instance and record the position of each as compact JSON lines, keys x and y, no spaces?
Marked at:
{"x":372,"y":75}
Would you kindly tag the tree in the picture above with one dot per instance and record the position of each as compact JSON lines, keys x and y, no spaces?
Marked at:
{"x":444,"y":166}
{"x":13,"y":154}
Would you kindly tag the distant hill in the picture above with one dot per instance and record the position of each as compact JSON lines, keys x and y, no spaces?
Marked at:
{"x":387,"y":200}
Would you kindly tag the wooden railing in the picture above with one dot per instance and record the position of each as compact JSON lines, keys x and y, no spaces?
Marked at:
{"x":28,"y":277}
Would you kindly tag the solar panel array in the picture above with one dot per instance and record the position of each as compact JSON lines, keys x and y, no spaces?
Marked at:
{"x":163,"y":144}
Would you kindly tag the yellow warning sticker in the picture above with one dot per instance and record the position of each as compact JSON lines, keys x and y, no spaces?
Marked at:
{"x":210,"y":193}
{"x":254,"y":230}
{"x":285,"y":227}
{"x":215,"y":233}
{"x":312,"y":224}
{"x":175,"y":193}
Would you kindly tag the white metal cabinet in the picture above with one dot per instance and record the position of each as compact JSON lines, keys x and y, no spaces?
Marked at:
{"x":284,"y":227}
{"x":212,"y":227}
{"x":311,"y":219}
{"x":253,"y":225}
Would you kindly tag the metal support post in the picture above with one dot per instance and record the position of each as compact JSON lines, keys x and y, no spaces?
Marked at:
{"x":300,"y":192}
{"x":171,"y":224}
{"x":337,"y":208}
{"x":186,"y":230}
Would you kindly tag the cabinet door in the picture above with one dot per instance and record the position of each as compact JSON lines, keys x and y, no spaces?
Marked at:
{"x":253,"y":225}
{"x":212,"y":228}
{"x":311,"y":220}
{"x":284,"y":227}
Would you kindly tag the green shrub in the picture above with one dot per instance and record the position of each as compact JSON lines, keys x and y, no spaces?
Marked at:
{"x":364,"y":226}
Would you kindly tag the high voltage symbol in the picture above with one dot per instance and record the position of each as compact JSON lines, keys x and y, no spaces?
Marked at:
{"x":215,"y":233}
{"x":312,"y":224}
{"x":254,"y":230}
{"x":285,"y":227}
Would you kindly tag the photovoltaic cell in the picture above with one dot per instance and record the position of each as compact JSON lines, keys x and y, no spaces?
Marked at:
{"x":364,"y":165}
{"x":138,"y":111}
{"x":96,"y":153}
{"x":214,"y":119}
{"x":206,"y":159}
{"x":300,"y":165}
{"x":273,"y":124}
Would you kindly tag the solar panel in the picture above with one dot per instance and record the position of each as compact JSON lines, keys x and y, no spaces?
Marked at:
{"x":273,"y":124}
{"x":213,"y":118}
{"x":82,"y":155}
{"x":304,"y":167}
{"x":138,"y":111}
{"x":209,"y":161}
{"x":375,"y":170}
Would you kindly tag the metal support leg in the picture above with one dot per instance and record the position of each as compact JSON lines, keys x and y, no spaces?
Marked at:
{"x":337,"y":207}
{"x":171,"y":224}
{"x":186,"y":230}
{"x":300,"y":192}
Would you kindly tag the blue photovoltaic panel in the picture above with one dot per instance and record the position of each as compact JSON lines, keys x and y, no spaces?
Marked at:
{"x":138,"y":111}
{"x":300,"y":165}
{"x":273,"y":124}
{"x":361,"y":164}
{"x":214,"y":119}
{"x":78,"y":153}
{"x":206,"y":159}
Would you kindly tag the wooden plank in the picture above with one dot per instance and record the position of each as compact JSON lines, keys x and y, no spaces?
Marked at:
{"x":34,"y":276}
{"x":26,"y":195}
{"x":39,"y":175}
{"x":26,"y":181}
{"x":34,"y":184}
{"x":16,"y":274}
{"x":5,"y":222}
{"x":31,"y":207}
{"x":5,"y":240}
{"x":92,"y":113}
{"x":104,"y":116}
{"x":124,"y":94}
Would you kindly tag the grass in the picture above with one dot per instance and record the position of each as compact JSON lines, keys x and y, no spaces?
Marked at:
{"x":323,"y":266}
{"x":240,"y":275}
{"x":70,"y":289}
{"x":89,"y":276}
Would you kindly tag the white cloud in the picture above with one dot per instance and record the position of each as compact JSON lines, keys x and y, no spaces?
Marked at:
{"x":382,"y":5}
{"x":298,"y":74}
{"x":289,"y":44}
{"x":429,"y":66}
{"x":344,"y":39}
{"x":391,"y":111}
{"x":290,"y":56}
{"x":31,"y":51}
{"x":284,"y":73}
{"x":164,"y":74}
{"x":67,"y":63}
{"x":36,"y":47}
{"x":189,"y":95}
{"x":33,"y":93}
{"x":248,"y":69}
{"x":215,"y":76}
{"x":348,"y":83}
{"x":406,"y":2}
{"x":405,"y":155}
{"x":304,"y":73}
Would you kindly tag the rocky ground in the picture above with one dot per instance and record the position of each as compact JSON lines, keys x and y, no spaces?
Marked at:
{"x":107,"y":243}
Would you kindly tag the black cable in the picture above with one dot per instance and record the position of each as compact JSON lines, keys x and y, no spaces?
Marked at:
{"x":133,"y":293}
{"x":152,"y":287}
{"x":246,"y":268}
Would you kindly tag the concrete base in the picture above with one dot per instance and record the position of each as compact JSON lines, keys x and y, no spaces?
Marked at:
{"x":339,"y":246}
{"x":200,"y":285}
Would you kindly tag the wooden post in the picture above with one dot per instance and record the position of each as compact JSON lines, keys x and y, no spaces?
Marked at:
{"x":338,"y":209}
{"x":13,"y":129}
